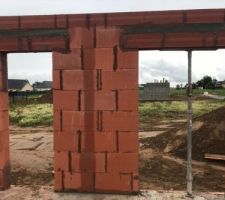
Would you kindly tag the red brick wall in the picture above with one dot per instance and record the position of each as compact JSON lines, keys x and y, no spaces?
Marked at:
{"x":4,"y":125}
{"x":96,"y":114}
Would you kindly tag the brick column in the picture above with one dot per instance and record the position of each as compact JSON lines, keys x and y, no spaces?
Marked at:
{"x":96,"y":114}
{"x":4,"y":125}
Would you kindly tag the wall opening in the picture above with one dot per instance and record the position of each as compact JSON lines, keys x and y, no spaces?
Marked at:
{"x":163,"y":119}
{"x":31,"y":118}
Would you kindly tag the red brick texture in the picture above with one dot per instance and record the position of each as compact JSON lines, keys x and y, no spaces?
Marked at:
{"x":95,"y":114}
{"x":4,"y":125}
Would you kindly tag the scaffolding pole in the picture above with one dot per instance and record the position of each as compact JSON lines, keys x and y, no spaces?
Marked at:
{"x":189,"y":127}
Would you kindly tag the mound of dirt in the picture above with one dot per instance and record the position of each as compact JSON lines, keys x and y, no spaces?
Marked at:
{"x":208,"y":137}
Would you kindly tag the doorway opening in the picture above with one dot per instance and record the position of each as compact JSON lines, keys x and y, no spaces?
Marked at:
{"x":31,"y":118}
{"x":163,"y":120}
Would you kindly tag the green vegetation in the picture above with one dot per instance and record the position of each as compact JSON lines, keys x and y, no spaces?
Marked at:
{"x":176,"y":108}
{"x":31,"y":114}
{"x":178,"y":92}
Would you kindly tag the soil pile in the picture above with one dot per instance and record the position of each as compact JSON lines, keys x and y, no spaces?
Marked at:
{"x":208,"y":137}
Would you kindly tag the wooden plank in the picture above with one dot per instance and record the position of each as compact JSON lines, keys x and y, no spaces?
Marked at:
{"x":214,"y":156}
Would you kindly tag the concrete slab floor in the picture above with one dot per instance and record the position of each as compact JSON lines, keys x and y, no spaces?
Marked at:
{"x":47,"y":193}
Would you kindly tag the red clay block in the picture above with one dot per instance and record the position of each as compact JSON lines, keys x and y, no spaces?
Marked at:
{"x":88,"y":162}
{"x":34,"y":22}
{"x":120,"y":80}
{"x":205,"y":16}
{"x":5,"y":178}
{"x":79,"y":79}
{"x":81,"y":37}
{"x":122,"y":162}
{"x":4,"y":140}
{"x":7,"y":23}
{"x":56,"y":120}
{"x":66,"y":141}
{"x":70,"y":60}
{"x":4,"y":159}
{"x":4,"y":101}
{"x":128,"y":100}
{"x":98,"y":100}
{"x":113,"y":182}
{"x":97,"y":19}
{"x":120,"y":121}
{"x":76,"y":20}
{"x":127,"y":60}
{"x":56,"y":79}
{"x":61,"y":161}
{"x":79,"y":120}
{"x":58,"y":181}
{"x":98,"y":142}
{"x":82,"y":182}
{"x":9,"y":44}
{"x":65,"y":100}
{"x":107,"y":37}
{"x":61,"y":21}
{"x":100,"y":58}
{"x":4,"y":120}
{"x":128,"y":142}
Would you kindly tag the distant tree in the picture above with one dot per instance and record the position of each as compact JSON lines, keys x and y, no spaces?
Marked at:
{"x":177,"y":86}
{"x":206,"y":82}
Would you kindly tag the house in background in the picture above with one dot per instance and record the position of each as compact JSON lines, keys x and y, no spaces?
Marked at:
{"x":42,"y":86}
{"x":19,"y":85}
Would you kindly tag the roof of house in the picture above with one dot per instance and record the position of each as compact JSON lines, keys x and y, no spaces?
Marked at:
{"x":43,"y":85}
{"x":17,"y":84}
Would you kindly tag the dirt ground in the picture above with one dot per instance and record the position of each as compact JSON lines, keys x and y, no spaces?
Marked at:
{"x":160,"y":169}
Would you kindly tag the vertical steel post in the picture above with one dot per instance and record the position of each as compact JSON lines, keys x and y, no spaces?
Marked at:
{"x":189,"y":127}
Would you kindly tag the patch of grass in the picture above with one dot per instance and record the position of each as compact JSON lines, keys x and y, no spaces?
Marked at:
{"x":31,"y":115}
{"x":177,"y":108}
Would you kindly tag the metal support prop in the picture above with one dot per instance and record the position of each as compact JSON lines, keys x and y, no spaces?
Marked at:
{"x":189,"y":127}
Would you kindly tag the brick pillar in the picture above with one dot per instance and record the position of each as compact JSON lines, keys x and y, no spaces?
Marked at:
{"x":96,"y":114}
{"x":4,"y":125}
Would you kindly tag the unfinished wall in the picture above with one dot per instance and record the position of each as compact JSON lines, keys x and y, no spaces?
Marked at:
{"x":4,"y":125}
{"x":96,"y":114}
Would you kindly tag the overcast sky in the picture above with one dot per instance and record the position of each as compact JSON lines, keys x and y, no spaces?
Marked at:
{"x":152,"y":64}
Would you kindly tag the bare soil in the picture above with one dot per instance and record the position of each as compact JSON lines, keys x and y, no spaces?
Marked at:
{"x":162,"y":155}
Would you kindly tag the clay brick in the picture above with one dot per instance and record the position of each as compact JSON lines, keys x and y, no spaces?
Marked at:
{"x":205,"y":16}
{"x":9,"y":23}
{"x":135,"y":182}
{"x":79,"y":120}
{"x":70,"y":60}
{"x":122,"y":162}
{"x":79,"y":79}
{"x":4,"y":101}
{"x":64,"y":141}
{"x":98,"y":142}
{"x":128,"y":100}
{"x":97,"y":19}
{"x":76,"y":20}
{"x":36,"y":22}
{"x":9,"y":44}
{"x":4,"y":121}
{"x":183,"y":40}
{"x":53,"y":43}
{"x":113,"y":182}
{"x":57,"y":120}
{"x":107,"y":37}
{"x":143,"y":41}
{"x":98,"y":100}
{"x":5,"y":178}
{"x":128,"y":142}
{"x":158,"y":17}
{"x":82,"y":182}
{"x":4,"y":159}
{"x":61,"y":21}
{"x":101,"y":58}
{"x":120,"y":121}
{"x":61,"y":161}
{"x":4,"y":140}
{"x":88,"y":162}
{"x":221,"y":39}
{"x":58,"y":181}
{"x":81,"y":37}
{"x":65,"y":100}
{"x":127,"y":60}
{"x":119,"y":80}
{"x":56,"y":80}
